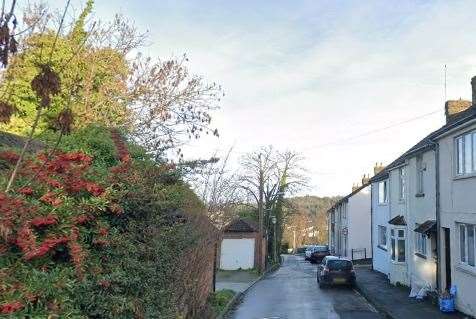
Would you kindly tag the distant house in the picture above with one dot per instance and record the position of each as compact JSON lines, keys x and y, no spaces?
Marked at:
{"x":350,"y":224}
{"x":240,"y":246}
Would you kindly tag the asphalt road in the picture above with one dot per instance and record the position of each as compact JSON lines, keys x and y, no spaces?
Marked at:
{"x":292,"y":293}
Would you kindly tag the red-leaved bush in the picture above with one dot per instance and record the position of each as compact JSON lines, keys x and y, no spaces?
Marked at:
{"x":52,"y":204}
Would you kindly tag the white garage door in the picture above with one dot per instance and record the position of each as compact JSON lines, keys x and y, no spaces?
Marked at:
{"x":237,"y":253}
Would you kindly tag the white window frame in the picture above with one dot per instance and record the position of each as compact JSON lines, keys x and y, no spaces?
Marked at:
{"x":383,"y":192}
{"x":462,"y":168}
{"x":421,"y":246}
{"x":395,"y":238}
{"x":401,"y":186}
{"x":382,"y":236}
{"x":463,"y":231}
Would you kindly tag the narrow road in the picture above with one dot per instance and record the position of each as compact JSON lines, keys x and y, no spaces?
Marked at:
{"x":292,"y":293}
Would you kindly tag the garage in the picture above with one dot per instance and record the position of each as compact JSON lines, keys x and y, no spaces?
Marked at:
{"x":237,"y":253}
{"x":239,"y":248}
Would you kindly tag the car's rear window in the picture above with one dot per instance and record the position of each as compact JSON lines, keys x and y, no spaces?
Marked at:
{"x":321,"y":248}
{"x":339,"y":265}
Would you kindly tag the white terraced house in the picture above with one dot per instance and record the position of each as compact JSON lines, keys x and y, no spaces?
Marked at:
{"x":349,"y":224}
{"x":424,"y":210}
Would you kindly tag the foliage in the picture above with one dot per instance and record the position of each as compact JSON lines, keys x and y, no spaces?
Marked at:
{"x":71,"y":238}
{"x":160,"y":102}
{"x":220,"y":299}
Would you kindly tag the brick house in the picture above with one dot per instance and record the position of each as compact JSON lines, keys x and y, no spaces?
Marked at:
{"x":242,"y":247}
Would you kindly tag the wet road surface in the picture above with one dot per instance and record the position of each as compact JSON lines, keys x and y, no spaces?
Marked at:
{"x":292,"y":293}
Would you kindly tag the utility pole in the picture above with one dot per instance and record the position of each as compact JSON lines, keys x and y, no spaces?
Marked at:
{"x":260,"y":213}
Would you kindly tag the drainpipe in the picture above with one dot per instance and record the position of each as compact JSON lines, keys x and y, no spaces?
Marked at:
{"x":438,"y":215}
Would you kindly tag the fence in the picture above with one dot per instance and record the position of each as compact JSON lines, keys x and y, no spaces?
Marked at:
{"x":359,"y":253}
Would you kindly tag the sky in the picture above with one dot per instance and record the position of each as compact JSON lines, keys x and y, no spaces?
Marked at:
{"x":345,"y":83}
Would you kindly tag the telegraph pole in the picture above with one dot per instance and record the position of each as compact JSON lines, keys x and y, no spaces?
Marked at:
{"x":261,"y":214}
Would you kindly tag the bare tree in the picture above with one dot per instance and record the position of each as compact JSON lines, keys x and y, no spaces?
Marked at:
{"x":267,"y":176}
{"x":217,"y":186}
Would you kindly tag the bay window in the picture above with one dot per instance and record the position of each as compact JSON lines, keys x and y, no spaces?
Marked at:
{"x":420,"y":243}
{"x":397,"y":241}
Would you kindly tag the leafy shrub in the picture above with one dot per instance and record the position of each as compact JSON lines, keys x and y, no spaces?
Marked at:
{"x":220,"y":299}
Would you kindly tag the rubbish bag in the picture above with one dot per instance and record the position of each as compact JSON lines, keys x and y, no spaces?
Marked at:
{"x":447,"y":300}
{"x":422,"y":293}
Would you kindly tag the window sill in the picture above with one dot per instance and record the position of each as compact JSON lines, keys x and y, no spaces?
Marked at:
{"x":470,"y":270}
{"x":400,"y":263}
{"x":420,"y":195}
{"x":421,"y":255}
{"x":382,"y":204}
{"x":382,"y":247}
{"x":464,"y":176}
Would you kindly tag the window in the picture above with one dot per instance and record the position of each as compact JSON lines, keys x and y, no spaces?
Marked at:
{"x":398,"y":245}
{"x":466,"y":154}
{"x":467,"y":244}
{"x":401,"y":185}
{"x":383,"y":192}
{"x":382,"y":236}
{"x":420,"y":167}
{"x":420,"y":243}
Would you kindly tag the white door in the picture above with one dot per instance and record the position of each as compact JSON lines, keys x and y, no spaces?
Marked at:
{"x":237,"y":253}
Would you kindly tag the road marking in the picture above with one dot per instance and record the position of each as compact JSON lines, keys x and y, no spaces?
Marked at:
{"x":372,"y":308}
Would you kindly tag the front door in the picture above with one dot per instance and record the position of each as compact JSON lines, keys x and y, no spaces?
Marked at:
{"x":447,"y":257}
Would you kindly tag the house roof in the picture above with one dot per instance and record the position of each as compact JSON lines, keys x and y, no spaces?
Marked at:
{"x":346,"y":198}
{"x":12,"y":140}
{"x":427,"y":227}
{"x":427,"y":143}
{"x":240,"y":225}
{"x":398,"y":220}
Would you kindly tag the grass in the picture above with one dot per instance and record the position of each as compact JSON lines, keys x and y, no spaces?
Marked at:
{"x":219,"y":299}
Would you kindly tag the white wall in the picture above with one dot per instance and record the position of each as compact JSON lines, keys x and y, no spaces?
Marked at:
{"x":420,"y":209}
{"x":398,"y":271}
{"x":458,"y":205}
{"x":380,"y":216}
{"x":359,"y":223}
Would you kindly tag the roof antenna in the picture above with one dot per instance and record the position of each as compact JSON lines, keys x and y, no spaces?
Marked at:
{"x":445,"y":84}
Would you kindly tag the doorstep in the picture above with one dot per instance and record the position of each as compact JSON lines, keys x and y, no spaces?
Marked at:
{"x":394,"y":301}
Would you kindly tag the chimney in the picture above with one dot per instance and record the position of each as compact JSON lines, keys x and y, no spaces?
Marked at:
{"x":378,"y":168}
{"x":365,"y":179}
{"x":473,"y":87}
{"x":354,"y":187}
{"x":454,"y":107}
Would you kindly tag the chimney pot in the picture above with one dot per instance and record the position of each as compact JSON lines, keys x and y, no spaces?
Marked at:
{"x":378,"y":168}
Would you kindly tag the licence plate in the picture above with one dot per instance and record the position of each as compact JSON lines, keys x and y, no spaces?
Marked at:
{"x":339,"y":280}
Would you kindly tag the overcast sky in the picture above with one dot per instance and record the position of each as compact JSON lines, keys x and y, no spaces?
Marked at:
{"x":317,"y":76}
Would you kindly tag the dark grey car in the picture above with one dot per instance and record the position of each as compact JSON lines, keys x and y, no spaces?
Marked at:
{"x":335,"y":271}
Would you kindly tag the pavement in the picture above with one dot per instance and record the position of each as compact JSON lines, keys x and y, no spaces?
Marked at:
{"x":292,"y":293}
{"x":237,"y":281}
{"x":394,"y":301}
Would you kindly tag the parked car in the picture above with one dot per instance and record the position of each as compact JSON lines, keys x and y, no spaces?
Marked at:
{"x":335,"y":271}
{"x":318,"y":253}
{"x":301,"y":250}
{"x":309,"y":250}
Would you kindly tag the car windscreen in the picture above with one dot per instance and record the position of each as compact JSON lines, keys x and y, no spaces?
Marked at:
{"x":321,"y":249}
{"x":339,"y":265}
